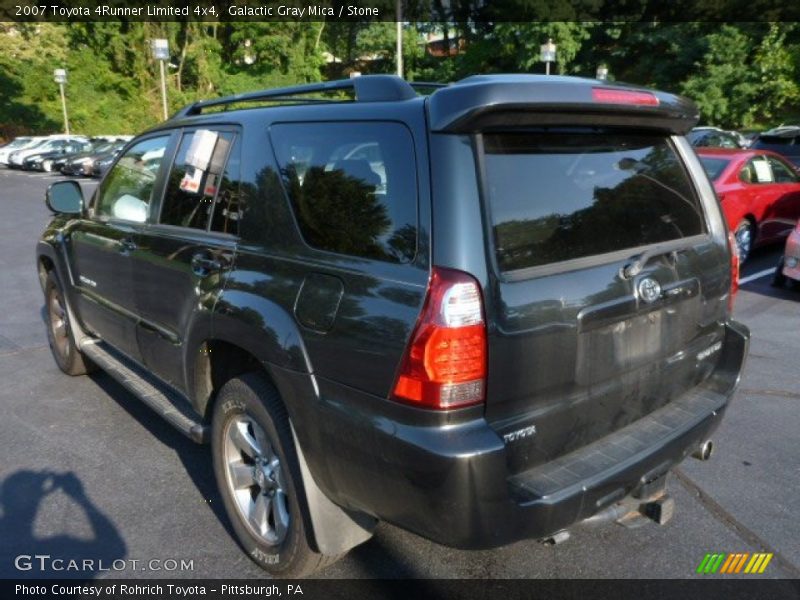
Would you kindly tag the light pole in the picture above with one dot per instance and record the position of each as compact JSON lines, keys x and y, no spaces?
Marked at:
{"x":399,"y":50}
{"x":161,"y":54}
{"x":548,"y":54}
{"x":602,"y":72}
{"x":60,"y":76}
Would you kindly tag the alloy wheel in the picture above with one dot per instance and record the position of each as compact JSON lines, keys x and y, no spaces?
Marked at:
{"x":256,"y":479}
{"x":59,"y":324}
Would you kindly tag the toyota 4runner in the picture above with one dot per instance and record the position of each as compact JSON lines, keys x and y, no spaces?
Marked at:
{"x":482,"y":312}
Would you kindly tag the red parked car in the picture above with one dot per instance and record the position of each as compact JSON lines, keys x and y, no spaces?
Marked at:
{"x":759,"y":192}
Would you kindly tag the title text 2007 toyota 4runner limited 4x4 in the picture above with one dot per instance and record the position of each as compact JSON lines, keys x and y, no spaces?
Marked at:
{"x":483,"y":313}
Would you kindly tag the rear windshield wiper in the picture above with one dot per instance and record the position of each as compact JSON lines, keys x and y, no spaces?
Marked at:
{"x":633,"y":268}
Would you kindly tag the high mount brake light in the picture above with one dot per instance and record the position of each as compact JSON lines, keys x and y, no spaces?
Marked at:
{"x":444,"y":365}
{"x":612,"y":96}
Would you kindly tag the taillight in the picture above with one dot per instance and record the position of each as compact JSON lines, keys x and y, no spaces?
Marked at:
{"x":612,"y":96}
{"x":734,"y":250}
{"x":445,"y":362}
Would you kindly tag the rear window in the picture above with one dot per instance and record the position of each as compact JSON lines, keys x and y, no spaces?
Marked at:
{"x":559,"y":196}
{"x":714,"y":166}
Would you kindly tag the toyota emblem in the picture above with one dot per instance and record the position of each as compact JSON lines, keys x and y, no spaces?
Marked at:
{"x":649,"y":289}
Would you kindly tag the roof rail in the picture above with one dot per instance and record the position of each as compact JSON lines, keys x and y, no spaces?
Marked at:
{"x":367,"y":88}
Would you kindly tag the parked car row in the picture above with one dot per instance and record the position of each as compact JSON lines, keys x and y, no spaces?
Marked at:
{"x":784,"y":140}
{"x":68,"y":154}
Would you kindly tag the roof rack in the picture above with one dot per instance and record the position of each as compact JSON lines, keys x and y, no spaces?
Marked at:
{"x":367,"y":88}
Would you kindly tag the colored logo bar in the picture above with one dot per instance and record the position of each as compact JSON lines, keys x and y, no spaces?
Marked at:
{"x":741,"y":562}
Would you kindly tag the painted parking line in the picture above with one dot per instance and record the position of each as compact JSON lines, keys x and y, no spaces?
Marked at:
{"x":755,"y":276}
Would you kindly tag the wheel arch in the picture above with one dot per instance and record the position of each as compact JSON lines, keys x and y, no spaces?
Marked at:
{"x":334,"y":530}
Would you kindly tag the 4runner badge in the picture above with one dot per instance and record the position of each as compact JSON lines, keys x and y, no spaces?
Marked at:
{"x":649,"y":289}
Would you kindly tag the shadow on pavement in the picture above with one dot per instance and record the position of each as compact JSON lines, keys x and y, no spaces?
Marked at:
{"x":21,"y":496}
{"x":195,"y":458}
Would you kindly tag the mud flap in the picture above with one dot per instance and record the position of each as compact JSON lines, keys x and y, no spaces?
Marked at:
{"x":335,"y":530}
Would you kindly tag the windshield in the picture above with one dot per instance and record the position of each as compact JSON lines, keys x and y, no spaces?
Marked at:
{"x":714,"y":166}
{"x":557,"y":196}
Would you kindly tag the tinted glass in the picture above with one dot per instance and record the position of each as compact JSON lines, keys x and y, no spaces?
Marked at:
{"x":774,"y":140}
{"x":195,"y":178}
{"x":228,"y":206}
{"x":782,"y":172}
{"x":352,"y":186}
{"x":126,"y":192}
{"x":562,"y":196}
{"x":714,"y":166}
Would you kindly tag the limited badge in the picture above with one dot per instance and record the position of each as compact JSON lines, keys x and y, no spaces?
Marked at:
{"x":649,"y":289}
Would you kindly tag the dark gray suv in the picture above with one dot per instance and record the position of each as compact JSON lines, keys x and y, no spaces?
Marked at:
{"x":482,"y":314}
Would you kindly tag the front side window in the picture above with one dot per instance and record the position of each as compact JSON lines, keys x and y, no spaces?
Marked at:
{"x":757,"y":170}
{"x":195,"y":178}
{"x":352,"y":186}
{"x":559,"y":196}
{"x":127,"y":190}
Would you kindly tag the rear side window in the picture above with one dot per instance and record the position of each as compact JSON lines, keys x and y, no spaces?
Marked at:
{"x":558,"y":196}
{"x":352,"y":186}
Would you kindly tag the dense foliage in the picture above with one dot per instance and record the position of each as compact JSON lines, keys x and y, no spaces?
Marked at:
{"x":740,"y":74}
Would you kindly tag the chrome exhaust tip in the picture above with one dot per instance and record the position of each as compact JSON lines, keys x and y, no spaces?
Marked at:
{"x":704,"y":451}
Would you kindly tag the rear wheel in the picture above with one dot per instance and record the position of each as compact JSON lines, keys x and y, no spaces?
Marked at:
{"x":257,"y":471}
{"x":59,"y":332}
{"x":745,"y":237}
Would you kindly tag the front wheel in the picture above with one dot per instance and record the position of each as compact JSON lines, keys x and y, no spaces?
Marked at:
{"x":258,"y":475}
{"x":59,"y":331}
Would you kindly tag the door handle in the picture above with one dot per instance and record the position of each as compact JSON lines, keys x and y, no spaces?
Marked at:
{"x":203,"y":265}
{"x":126,"y":246}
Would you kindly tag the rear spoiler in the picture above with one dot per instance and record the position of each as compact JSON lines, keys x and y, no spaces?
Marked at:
{"x":491,"y":102}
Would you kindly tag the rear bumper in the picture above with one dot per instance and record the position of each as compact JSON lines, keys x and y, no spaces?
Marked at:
{"x":452,"y":484}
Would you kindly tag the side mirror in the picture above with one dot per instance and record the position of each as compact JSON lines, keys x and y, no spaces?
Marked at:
{"x":64,"y":197}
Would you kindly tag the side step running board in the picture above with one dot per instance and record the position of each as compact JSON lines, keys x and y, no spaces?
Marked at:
{"x":159,"y":397}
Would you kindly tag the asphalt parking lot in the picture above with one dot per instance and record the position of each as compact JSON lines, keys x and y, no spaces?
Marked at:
{"x":88,"y":472}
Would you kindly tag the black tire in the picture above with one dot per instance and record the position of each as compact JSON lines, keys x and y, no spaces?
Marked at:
{"x":249,"y":401}
{"x":59,"y":331}
{"x":745,"y":235}
{"x":779,"y":279}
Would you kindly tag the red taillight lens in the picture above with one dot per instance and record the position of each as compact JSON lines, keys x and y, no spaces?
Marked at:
{"x":612,"y":96}
{"x":445,"y":362}
{"x":734,"y":249}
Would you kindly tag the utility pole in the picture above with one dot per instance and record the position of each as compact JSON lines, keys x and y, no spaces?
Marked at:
{"x":60,"y":76}
{"x":161,"y":54}
{"x":399,"y":50}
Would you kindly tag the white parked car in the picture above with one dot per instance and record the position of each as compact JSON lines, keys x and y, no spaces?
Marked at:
{"x":54,"y":142}
{"x":18,"y":144}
